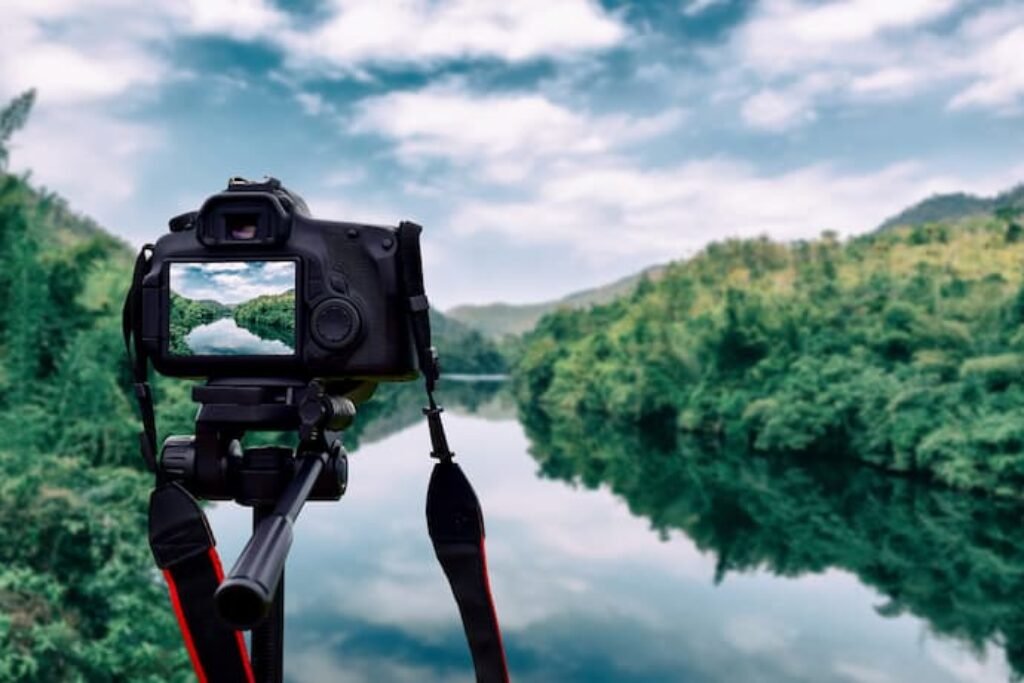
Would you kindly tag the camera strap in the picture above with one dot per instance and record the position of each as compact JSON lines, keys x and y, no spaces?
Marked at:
{"x":454,"y":517}
{"x":184,"y":550}
{"x":131,"y":313}
{"x":179,"y":534}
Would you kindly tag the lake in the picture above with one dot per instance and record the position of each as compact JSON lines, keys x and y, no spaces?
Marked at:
{"x":704,"y":568}
{"x":224,"y":337}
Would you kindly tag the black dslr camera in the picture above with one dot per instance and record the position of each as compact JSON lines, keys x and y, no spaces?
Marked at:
{"x":252,"y":286}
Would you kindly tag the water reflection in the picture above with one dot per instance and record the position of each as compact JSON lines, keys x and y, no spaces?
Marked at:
{"x":224,"y":337}
{"x":752,"y":572}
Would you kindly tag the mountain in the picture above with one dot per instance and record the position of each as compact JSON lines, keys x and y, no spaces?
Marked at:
{"x":498,"y":320}
{"x":952,"y":207}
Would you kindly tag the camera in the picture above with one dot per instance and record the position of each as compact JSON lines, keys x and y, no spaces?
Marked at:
{"x":251,"y":285}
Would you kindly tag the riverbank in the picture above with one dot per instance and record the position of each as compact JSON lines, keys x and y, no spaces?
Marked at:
{"x":902,"y":349}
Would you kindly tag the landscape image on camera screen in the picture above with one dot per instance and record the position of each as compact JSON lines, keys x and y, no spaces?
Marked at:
{"x":232,"y":308}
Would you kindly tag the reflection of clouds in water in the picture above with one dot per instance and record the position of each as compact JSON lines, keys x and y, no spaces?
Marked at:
{"x":318,"y":666}
{"x":857,"y":672}
{"x":964,"y":665}
{"x":231,"y":282}
{"x":585,"y":591}
{"x":752,"y":633}
{"x":225,"y":338}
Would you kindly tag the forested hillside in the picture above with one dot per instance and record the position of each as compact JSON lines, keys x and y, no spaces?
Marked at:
{"x":953,"y":207}
{"x":903,"y":349}
{"x":79,"y":599}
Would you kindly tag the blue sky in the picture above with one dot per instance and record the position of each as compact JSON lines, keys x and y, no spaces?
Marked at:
{"x":546,"y":145}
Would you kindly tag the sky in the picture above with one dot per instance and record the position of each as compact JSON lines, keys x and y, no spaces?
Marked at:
{"x":232,"y":282}
{"x":547,"y":146}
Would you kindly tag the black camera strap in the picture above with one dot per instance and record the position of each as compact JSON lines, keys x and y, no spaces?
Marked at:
{"x":454,"y":518}
{"x":131,"y":314}
{"x":184,"y":550}
{"x":179,"y":533}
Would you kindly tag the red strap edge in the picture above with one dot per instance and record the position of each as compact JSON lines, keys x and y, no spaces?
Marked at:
{"x":494,"y":609}
{"x":183,"y":625}
{"x":218,"y":571}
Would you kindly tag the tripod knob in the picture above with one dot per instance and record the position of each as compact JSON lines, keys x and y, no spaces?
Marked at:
{"x":178,"y":458}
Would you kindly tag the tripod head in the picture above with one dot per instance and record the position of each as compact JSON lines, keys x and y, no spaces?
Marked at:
{"x":275,"y":480}
{"x":212,"y":464}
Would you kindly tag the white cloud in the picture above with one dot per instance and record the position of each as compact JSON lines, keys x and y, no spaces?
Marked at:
{"x":614,"y":210}
{"x":777,"y":110}
{"x":887,"y":80}
{"x":312,"y":103}
{"x":542,"y":174}
{"x":359,"y":33}
{"x":858,"y":50}
{"x":243,"y":19}
{"x":757,"y":634}
{"x":87,"y":155}
{"x":506,"y":136}
{"x":998,"y":67}
{"x":88,"y":57}
{"x":790,"y":34}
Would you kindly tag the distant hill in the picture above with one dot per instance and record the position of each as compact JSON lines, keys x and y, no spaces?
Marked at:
{"x":953,"y":207}
{"x":498,"y":320}
{"x":463,"y":349}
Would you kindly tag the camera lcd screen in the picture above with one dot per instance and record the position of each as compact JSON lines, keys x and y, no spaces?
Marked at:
{"x":232,"y":308}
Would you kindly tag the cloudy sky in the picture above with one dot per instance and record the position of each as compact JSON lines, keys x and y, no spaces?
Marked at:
{"x":546,"y":145}
{"x":232,"y":282}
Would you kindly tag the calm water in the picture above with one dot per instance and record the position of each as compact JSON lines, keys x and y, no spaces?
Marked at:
{"x":225,"y":338}
{"x":759,"y":574}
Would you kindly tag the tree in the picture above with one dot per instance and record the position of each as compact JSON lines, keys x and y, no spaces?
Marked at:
{"x":1009,"y":215}
{"x":12,"y":118}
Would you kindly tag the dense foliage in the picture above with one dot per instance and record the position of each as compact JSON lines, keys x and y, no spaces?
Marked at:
{"x":792,"y":516}
{"x":79,"y":599}
{"x":271,"y":316}
{"x":903,"y":349}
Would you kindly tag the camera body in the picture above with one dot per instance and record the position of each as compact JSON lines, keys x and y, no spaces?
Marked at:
{"x":252,"y":286}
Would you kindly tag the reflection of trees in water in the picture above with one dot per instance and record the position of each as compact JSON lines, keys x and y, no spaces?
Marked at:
{"x":270,"y":316}
{"x":953,"y":559}
{"x":398,"y":405}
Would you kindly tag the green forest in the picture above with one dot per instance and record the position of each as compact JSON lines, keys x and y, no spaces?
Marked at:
{"x":903,"y":349}
{"x":271,"y":316}
{"x":79,"y":600}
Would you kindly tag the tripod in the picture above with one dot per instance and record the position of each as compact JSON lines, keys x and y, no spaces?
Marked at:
{"x":275,"y":481}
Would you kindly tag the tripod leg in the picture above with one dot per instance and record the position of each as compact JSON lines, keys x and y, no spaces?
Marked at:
{"x":268,"y":637}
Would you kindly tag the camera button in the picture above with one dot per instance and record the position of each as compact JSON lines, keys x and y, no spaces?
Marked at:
{"x":335,"y":323}
{"x":339,"y":284}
